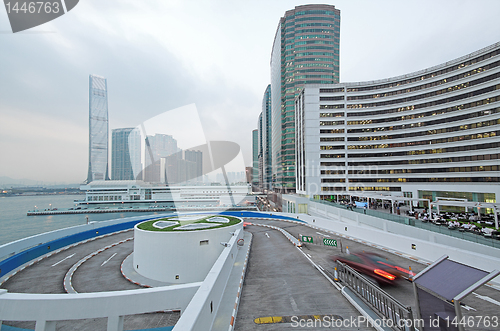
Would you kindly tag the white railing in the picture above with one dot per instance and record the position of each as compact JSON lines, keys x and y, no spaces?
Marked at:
{"x":47,"y":309}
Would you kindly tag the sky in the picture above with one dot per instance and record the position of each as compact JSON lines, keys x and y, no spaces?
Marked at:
{"x":162,"y":55}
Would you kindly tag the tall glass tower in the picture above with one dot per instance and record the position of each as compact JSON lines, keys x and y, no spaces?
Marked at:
{"x":255,"y":157}
{"x":305,"y":51}
{"x":98,"y":129}
{"x":125,"y":154}
{"x":266,"y":139}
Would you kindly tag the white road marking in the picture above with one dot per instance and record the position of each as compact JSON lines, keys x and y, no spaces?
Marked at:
{"x":321,"y":267}
{"x":468,"y":307}
{"x":63,"y":259}
{"x":322,"y":272}
{"x":485,"y":298}
{"x":108,"y":259}
{"x":308,"y":254}
{"x":325,"y":235}
{"x":267,"y":235}
{"x":294,"y":304}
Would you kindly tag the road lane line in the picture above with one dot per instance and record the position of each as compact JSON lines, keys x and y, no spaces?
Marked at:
{"x":67,"y":257}
{"x":108,"y":259}
{"x":468,"y":307}
{"x":325,"y":235}
{"x":321,"y":267}
{"x":322,"y":272}
{"x":485,"y":298}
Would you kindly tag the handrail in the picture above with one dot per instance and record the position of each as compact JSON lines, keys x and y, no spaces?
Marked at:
{"x":396,"y":315}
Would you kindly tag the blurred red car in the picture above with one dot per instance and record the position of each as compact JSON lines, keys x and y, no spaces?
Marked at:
{"x":374,"y":266}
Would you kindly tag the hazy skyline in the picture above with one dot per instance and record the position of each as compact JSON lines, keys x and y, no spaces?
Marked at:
{"x":161,"y":55}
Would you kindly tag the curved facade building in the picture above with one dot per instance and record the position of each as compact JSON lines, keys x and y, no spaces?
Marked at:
{"x":427,"y":134}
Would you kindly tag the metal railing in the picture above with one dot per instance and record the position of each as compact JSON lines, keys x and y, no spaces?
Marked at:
{"x":395,"y":314}
{"x":469,"y":236}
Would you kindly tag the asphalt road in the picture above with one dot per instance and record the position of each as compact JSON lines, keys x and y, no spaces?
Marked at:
{"x":485,"y":301}
{"x":281,"y":282}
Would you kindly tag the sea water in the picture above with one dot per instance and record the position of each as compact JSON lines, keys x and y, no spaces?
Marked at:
{"x":15,"y":224}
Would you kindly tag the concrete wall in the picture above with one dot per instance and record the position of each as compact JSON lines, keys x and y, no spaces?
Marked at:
{"x":20,"y":245}
{"x":162,"y":255}
{"x":22,"y":251}
{"x":400,"y":237}
{"x":53,"y":307}
{"x":201,"y":312}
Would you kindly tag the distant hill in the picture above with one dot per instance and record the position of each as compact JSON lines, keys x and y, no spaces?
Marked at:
{"x":7,"y":182}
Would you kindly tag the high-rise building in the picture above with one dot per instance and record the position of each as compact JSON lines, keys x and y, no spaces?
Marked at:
{"x":196,"y":160}
{"x":305,"y":51}
{"x":157,"y":147}
{"x":266,"y":140}
{"x":125,"y":154}
{"x":255,"y":157}
{"x":98,"y":129}
{"x":430,"y":134}
{"x":260,"y":157}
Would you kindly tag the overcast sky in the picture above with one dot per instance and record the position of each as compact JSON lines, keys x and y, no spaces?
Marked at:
{"x":161,"y":55}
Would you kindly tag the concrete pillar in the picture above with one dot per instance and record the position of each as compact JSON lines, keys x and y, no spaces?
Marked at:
{"x":45,"y":326}
{"x":115,"y":323}
{"x":496,"y":217}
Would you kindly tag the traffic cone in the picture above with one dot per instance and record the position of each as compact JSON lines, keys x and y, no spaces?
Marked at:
{"x":335,"y":275}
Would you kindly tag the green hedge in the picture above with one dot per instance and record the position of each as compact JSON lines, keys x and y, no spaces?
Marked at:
{"x":148,"y":225}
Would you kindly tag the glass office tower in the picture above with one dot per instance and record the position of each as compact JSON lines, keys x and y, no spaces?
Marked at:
{"x":266,"y":140}
{"x":125,"y":154}
{"x":255,"y":157}
{"x":98,"y":129}
{"x":305,"y":51}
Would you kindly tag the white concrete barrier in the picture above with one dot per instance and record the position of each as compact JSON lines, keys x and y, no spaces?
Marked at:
{"x":418,"y":243}
{"x":201,"y":312}
{"x":9,"y":249}
{"x":44,"y":308}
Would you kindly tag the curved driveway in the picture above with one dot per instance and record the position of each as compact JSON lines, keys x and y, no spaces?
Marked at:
{"x":100,"y":273}
{"x":280,"y":281}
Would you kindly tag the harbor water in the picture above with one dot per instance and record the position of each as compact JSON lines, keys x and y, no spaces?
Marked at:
{"x":15,"y":224}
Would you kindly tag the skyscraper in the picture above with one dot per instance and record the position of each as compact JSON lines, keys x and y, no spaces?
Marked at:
{"x":259,"y":153}
{"x":98,"y":129}
{"x":157,"y":147}
{"x":125,"y":153}
{"x":255,"y":157}
{"x":305,"y":51}
{"x":266,"y":140}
